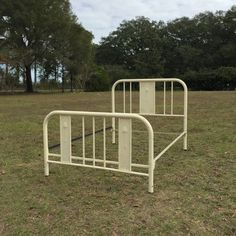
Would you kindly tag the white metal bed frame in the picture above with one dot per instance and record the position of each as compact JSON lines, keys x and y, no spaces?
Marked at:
{"x":124,"y":163}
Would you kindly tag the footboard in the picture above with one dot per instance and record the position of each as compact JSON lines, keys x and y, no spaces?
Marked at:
{"x":124,"y":161}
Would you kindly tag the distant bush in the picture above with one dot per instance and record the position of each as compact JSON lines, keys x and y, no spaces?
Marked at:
{"x":116,"y":72}
{"x":223,"y":78}
{"x":48,"y":84}
{"x":99,"y":81}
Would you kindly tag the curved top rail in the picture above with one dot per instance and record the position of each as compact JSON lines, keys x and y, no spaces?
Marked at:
{"x":100,"y":114}
{"x":151,"y":80}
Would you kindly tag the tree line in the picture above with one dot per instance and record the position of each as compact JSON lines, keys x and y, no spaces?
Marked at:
{"x":45,"y":36}
{"x":200,"y":50}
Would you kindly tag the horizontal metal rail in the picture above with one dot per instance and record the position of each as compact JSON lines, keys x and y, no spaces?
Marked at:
{"x":154,"y":132}
{"x":98,"y":160}
{"x":98,"y":167}
{"x":81,"y":137}
{"x":171,"y":144}
{"x":166,"y":115}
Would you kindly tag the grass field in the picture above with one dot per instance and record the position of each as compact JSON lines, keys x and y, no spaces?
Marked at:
{"x":195,"y":190}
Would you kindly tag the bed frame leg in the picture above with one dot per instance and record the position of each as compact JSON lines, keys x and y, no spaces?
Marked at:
{"x":150,"y":186}
{"x":151,"y":181}
{"x":185,"y":142}
{"x":46,"y":169}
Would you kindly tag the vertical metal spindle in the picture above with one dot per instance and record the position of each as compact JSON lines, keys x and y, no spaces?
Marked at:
{"x":93,"y":141}
{"x":113,"y":118}
{"x":171,"y":108}
{"x":124,"y":97}
{"x":130,"y":97}
{"x":104,"y":142}
{"x":113,"y":130}
{"x":164,"y":98}
{"x":83,"y":139}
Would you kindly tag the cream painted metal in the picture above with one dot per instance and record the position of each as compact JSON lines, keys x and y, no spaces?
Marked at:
{"x":65,"y":138}
{"x":125,"y":144}
{"x":147,"y":103}
{"x":147,"y":107}
{"x":124,"y":162}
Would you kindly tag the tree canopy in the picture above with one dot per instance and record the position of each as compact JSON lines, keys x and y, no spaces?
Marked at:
{"x":41,"y":30}
{"x":177,"y":48}
{"x":136,"y":44}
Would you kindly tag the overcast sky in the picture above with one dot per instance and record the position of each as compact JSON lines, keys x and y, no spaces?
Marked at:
{"x":103,"y":16}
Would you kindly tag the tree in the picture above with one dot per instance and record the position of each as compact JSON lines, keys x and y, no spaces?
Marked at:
{"x":69,"y":57}
{"x":180,"y":53}
{"x":136,"y":45}
{"x":228,"y":50}
{"x":77,"y":55}
{"x":98,"y":80}
{"x":29,"y":29}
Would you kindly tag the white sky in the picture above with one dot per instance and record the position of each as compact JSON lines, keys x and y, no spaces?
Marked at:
{"x":103,"y":16}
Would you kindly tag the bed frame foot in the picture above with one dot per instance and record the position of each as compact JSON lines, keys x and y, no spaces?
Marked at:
{"x":46,"y":169}
{"x":185,"y":146}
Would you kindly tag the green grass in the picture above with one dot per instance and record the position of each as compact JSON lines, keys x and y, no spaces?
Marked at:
{"x":194,"y":190}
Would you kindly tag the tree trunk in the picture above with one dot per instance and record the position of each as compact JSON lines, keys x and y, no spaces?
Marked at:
{"x":6,"y":76}
{"x":7,"y":69}
{"x":35,"y":73}
{"x":18,"y":73}
{"x":29,"y":84}
{"x":71,"y":82}
{"x":63,"y":80}
{"x":55,"y":74}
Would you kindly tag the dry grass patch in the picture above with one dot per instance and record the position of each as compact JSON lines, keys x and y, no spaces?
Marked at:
{"x":194,"y":190}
